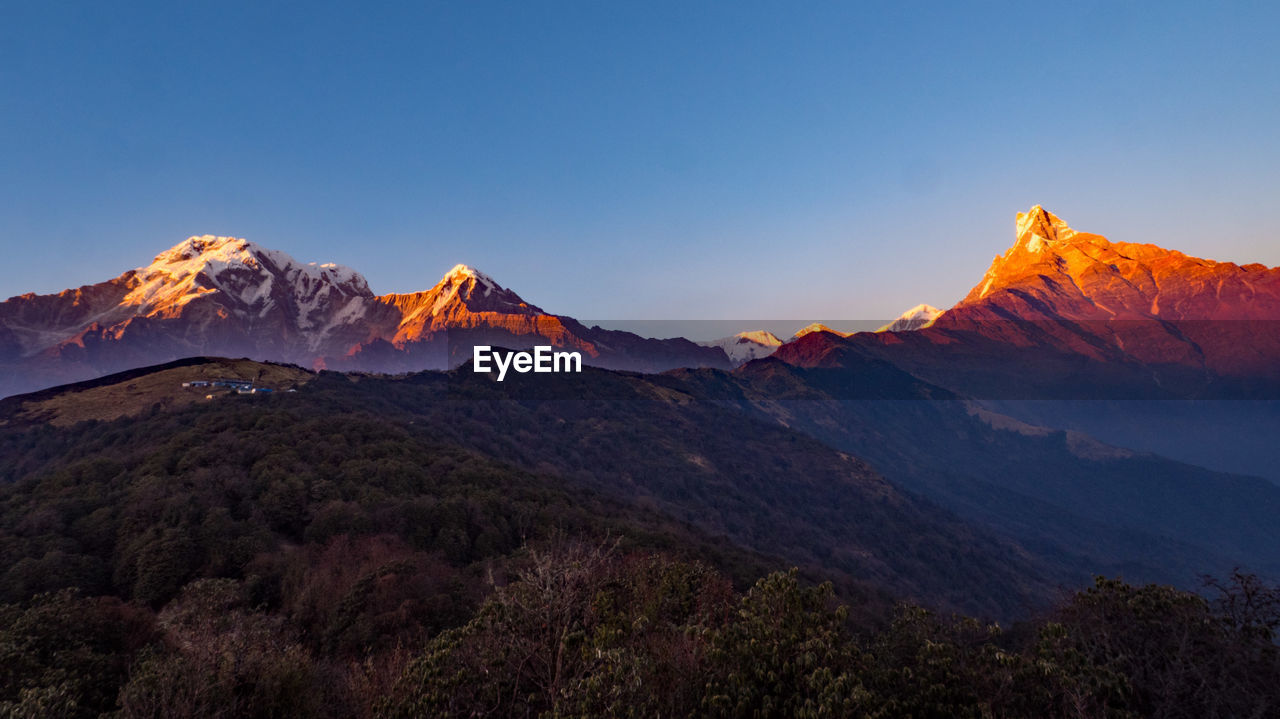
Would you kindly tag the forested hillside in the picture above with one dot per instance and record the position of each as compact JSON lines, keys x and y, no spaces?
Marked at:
{"x":421,"y":546}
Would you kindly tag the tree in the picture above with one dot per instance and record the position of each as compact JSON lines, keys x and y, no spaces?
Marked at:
{"x":65,"y":655}
{"x":784,"y":654}
{"x":222,"y":661}
{"x":582,"y":632}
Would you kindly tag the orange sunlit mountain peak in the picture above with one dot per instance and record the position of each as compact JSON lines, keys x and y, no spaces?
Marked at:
{"x":1054,"y":269}
{"x":1038,"y":226}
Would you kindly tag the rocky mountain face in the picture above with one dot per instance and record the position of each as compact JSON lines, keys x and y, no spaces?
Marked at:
{"x":438,"y":328}
{"x":206,"y":295}
{"x":1052,"y":269}
{"x":1066,"y":315}
{"x":228,"y":297}
{"x":1087,"y":294}
{"x":1063,"y":311}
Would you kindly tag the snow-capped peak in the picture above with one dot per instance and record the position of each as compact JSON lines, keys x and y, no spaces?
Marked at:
{"x":340,"y":274}
{"x":190,"y":269}
{"x":464,"y":272}
{"x":212,"y":255}
{"x":817,"y":327}
{"x":916,"y":318}
{"x":249,"y":278}
{"x":461,"y":274}
{"x":746,"y":346}
{"x":198,"y":252}
{"x":762,"y":337}
{"x":1038,"y":231}
{"x":470,"y":288}
{"x":1037,"y":228}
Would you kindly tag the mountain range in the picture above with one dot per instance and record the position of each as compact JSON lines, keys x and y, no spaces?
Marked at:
{"x":870,"y":454}
{"x":1058,"y":308}
{"x":229,"y":297}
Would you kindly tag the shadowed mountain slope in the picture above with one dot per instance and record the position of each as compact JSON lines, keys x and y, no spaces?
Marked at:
{"x":639,"y":442}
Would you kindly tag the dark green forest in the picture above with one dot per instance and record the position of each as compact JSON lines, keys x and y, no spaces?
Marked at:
{"x":373,"y":549}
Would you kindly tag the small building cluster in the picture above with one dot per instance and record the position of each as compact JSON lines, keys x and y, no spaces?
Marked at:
{"x":239,"y":386}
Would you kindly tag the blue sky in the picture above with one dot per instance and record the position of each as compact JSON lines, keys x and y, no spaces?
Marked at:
{"x":635,"y":160}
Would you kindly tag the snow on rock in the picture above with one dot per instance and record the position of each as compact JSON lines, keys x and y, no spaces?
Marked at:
{"x":470,"y":287}
{"x":461,"y":272}
{"x":916,"y":318}
{"x":746,"y":346}
{"x":1038,"y":226}
{"x":225,"y":296}
{"x":817,"y":327}
{"x":246,"y":278}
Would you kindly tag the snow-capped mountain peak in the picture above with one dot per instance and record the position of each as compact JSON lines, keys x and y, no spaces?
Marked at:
{"x":458,"y":299}
{"x":1037,"y":228}
{"x":191,"y":269}
{"x":469,"y":277}
{"x":762,"y":337}
{"x":240,"y":269}
{"x":240,"y":277}
{"x":200,"y":246}
{"x":474,"y":289}
{"x":1042,"y":237}
{"x":1054,"y":269}
{"x":817,"y":327}
{"x":461,"y":273}
{"x":746,"y":346}
{"x":916,"y":318}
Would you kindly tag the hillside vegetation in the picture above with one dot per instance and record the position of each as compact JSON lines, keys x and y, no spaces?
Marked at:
{"x":421,"y":546}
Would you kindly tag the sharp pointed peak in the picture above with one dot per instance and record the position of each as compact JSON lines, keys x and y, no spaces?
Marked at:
{"x":468,"y":283}
{"x":1038,"y":226}
{"x":1037,"y":211}
{"x":462,"y":272}
{"x":916,"y":318}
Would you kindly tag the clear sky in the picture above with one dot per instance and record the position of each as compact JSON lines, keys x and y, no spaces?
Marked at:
{"x":635,"y":159}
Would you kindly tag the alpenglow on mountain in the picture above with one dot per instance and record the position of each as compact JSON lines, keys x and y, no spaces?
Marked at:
{"x":916,"y":318}
{"x":746,"y":346}
{"x":1070,"y":314}
{"x":1058,"y":304}
{"x":229,"y":297}
{"x":1125,"y":302}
